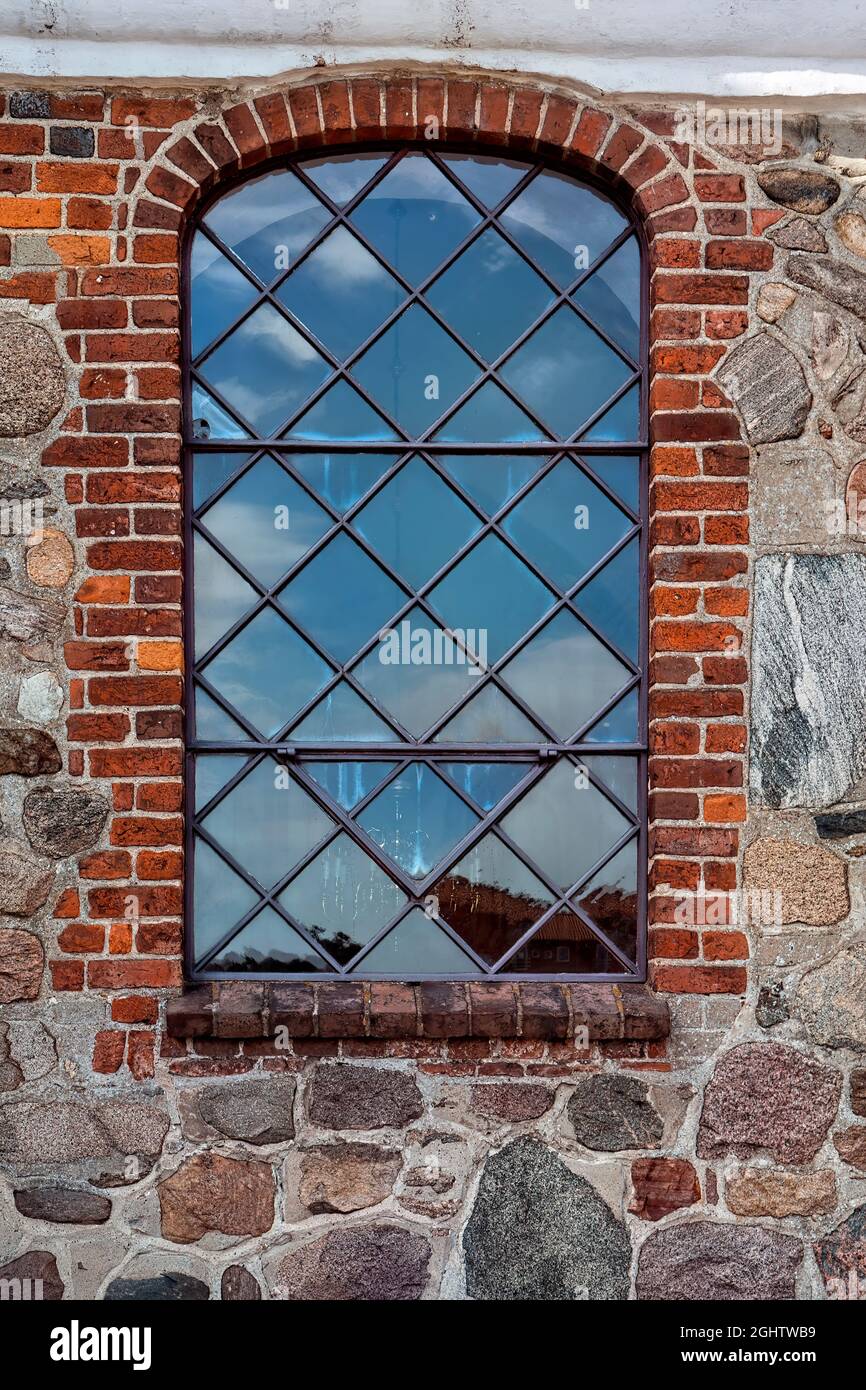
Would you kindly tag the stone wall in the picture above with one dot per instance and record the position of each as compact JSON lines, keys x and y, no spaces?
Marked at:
{"x":450,"y":1143}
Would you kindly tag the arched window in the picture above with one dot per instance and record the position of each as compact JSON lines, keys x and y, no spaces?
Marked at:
{"x":415,"y":417}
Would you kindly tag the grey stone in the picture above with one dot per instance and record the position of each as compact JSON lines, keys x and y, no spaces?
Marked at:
{"x":539,"y":1232}
{"x":24,"y":618}
{"x":764,"y":1097}
{"x":11,"y":1074}
{"x":791,"y":496}
{"x":349,"y":1097}
{"x":831,"y":278}
{"x":60,"y":821}
{"x":374,"y":1264}
{"x":32,"y":377}
{"x":829,"y":347}
{"x":27,"y":753}
{"x":25,"y":882}
{"x":831,"y":1001}
{"x":610,"y":1113}
{"x":765,"y":381}
{"x":707,"y":1261}
{"x":64,"y":1205}
{"x":40,"y":697}
{"x":33,"y":248}
{"x":841,"y":1256}
{"x":51,"y":1132}
{"x":796,"y":234}
{"x":772,"y":1007}
{"x":37,"y":1271}
{"x":135,"y":1127}
{"x":16,"y":486}
{"x":163,"y":1288}
{"x":808,"y":741}
{"x":239,"y":1286}
{"x":838,"y":825}
{"x":22,"y":960}
{"x":803,"y":190}
{"x":259,"y":1112}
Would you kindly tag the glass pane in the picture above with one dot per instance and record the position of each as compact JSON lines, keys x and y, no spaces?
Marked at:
{"x":341,"y":716}
{"x":267,"y":521}
{"x":492,"y":592}
{"x":618,"y":773}
{"x":564,"y":945}
{"x":212,"y":724}
{"x":415,"y":217}
{"x":268,"y":672}
{"x":612,"y":600}
{"x":565,"y":372}
{"x":489,"y":717}
{"x":489,"y":178}
{"x":416,"y":820}
{"x":415,"y":371}
{"x":489,"y":417}
{"x":219,"y":293}
{"x":609,"y":898}
{"x":418,"y":672}
{"x":210,"y":471}
{"x":490,"y":479}
{"x":341,"y":176}
{"x":268,"y":221}
{"x":342,"y":898}
{"x":416,"y":522}
{"x":212,"y":771}
{"x":619,"y":725}
{"x":341,"y":293}
{"x":267,"y":822}
{"x":221,"y":898}
{"x":341,"y":414}
{"x":565,"y":674}
{"x":348,"y":783}
{"x":563,"y":225}
{"x":566,"y":524}
{"x":564,"y":824}
{"x":621,"y":472}
{"x":265,"y":370}
{"x":269,"y":945}
{"x":622,"y":421}
{"x":486,"y":783}
{"x":490,"y":295}
{"x":611,"y":297}
{"x":221,"y":595}
{"x":491,"y":898}
{"x":210,"y":421}
{"x":342,"y":479}
{"x":414,"y":949}
{"x":341,"y":598}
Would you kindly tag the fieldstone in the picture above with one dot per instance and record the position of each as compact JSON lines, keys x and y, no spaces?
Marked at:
{"x":163,"y":1288}
{"x":851,"y":1145}
{"x":40,"y":697}
{"x":610,"y":1112}
{"x":858,"y":1091}
{"x":135,"y":1127}
{"x":347,"y":1177}
{"x":839,"y":825}
{"x":210,"y":1193}
{"x":851,"y":231}
{"x":259,"y":1112}
{"x":25,"y":618}
{"x":802,"y":190}
{"x":50,"y":559}
{"x":767,"y":1098}
{"x":27,"y":753}
{"x":19,"y":486}
{"x":773,"y":301}
{"x":66,"y":1206}
{"x":772,"y":1006}
{"x":22,"y":960}
{"x":663,"y":1185}
{"x":33,"y":1047}
{"x":368,"y":1264}
{"x":25,"y":883}
{"x":796,"y":234}
{"x":767,"y":1192}
{"x":841,"y":1254}
{"x":829,"y":347}
{"x":831,"y":278}
{"x":60,"y":821}
{"x":791,"y":493}
{"x":512,"y":1104}
{"x":831,"y":1001}
{"x":349,"y":1097}
{"x":32,"y":378}
{"x":808,"y":741}
{"x":765,"y":381}
{"x":239,"y":1286}
{"x":11,"y":1073}
{"x":439,"y":1168}
{"x":37,"y":1271}
{"x":540,"y":1232}
{"x":708,"y":1262}
{"x":51,"y":1132}
{"x":811,"y":881}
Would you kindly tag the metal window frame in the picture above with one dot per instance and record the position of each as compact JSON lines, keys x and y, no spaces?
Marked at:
{"x":407,"y":751}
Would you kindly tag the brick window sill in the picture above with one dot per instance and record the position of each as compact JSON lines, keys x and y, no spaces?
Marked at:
{"x":550,"y":1012}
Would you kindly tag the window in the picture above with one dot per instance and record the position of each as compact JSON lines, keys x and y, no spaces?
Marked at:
{"x":416,"y":473}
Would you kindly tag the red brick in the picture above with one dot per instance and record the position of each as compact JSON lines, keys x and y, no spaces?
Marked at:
{"x":134,"y":690}
{"x":591,"y":130}
{"x":700,"y":289}
{"x":720,"y":188}
{"x":133,"y":974}
{"x":147,"y":830}
{"x":134,"y":1008}
{"x":135,"y":762}
{"x":244,"y":130}
{"x":134,"y":555}
{"x":162,"y":112}
{"x":739,"y":255}
{"x":697,"y":979}
{"x":66,"y":975}
{"x":79,"y":938}
{"x":105,"y":864}
{"x":695,"y":772}
{"x":108,"y":1050}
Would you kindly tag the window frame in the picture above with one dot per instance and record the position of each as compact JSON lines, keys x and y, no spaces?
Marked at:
{"x":551,"y":450}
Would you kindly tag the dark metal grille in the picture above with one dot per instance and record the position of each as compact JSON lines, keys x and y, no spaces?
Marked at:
{"x":480,"y":812}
